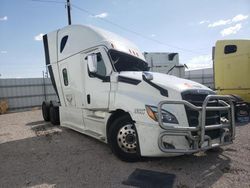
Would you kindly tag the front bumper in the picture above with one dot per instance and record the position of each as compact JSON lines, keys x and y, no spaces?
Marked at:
{"x":201,"y":141}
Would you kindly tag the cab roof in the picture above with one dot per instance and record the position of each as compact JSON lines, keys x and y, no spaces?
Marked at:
{"x":77,"y":38}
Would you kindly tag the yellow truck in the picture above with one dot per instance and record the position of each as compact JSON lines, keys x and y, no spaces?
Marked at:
{"x":232,"y":72}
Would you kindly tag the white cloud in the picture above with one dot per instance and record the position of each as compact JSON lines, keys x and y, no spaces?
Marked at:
{"x":198,"y":62}
{"x":102,"y":15}
{"x":219,"y":23}
{"x":153,"y":35}
{"x":3,"y":52}
{"x":204,"y":21}
{"x":231,"y":30}
{"x":5,"y":18}
{"x":39,"y":37}
{"x":239,"y":18}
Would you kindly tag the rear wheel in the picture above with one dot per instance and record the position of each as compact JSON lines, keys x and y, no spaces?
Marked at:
{"x":54,"y":115}
{"x":124,"y":140}
{"x":46,"y":111}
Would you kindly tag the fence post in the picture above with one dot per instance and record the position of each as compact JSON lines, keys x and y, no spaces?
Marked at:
{"x":202,"y":73}
{"x":44,"y":88}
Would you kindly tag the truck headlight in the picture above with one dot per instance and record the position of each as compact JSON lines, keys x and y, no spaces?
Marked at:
{"x":167,"y":117}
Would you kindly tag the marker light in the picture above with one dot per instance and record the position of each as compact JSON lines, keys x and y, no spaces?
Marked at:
{"x":151,"y":114}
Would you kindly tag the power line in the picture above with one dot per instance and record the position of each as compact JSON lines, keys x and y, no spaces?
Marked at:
{"x":121,"y":27}
{"x":131,"y":31}
{"x":49,"y":1}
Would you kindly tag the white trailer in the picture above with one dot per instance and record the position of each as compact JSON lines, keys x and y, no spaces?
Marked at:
{"x":106,"y":92}
{"x":167,"y":63}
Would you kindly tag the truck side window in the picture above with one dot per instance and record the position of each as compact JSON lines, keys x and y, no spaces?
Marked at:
{"x":63,"y":43}
{"x":230,"y":49}
{"x":101,"y":69}
{"x":65,"y":77}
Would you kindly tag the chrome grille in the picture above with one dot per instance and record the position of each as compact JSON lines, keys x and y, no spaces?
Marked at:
{"x":197,"y":97}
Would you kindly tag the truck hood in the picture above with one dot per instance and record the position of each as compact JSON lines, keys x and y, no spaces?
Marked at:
{"x":167,"y":81}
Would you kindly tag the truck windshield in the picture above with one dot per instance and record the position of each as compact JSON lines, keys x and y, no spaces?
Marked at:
{"x":125,"y":62}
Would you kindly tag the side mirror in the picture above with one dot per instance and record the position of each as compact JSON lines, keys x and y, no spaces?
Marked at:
{"x":148,"y":76}
{"x":92,"y":63}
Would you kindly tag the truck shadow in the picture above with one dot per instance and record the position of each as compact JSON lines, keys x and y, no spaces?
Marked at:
{"x":70,"y":159}
{"x":37,"y":123}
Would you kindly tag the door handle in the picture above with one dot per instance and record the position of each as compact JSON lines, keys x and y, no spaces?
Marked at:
{"x":88,"y":98}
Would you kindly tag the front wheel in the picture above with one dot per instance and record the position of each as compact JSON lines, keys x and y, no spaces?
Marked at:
{"x":124,"y":140}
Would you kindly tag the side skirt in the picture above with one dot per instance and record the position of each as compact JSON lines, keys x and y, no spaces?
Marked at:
{"x":85,"y":132}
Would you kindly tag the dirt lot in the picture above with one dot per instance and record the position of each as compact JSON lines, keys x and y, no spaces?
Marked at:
{"x":34,"y":153}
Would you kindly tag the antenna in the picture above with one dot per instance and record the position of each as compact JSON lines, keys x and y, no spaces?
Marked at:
{"x":68,"y":10}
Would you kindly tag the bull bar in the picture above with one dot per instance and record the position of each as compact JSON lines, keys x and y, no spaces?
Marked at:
{"x":198,"y":141}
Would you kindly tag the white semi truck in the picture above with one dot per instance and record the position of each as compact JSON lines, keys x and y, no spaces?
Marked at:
{"x":105,"y":91}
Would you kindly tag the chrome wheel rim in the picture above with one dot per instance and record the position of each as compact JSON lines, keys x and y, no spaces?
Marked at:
{"x":126,"y":138}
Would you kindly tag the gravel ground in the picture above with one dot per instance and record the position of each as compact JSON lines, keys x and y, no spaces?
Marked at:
{"x":34,"y":153}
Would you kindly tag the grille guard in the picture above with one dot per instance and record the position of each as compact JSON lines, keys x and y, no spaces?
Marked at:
{"x":198,"y":141}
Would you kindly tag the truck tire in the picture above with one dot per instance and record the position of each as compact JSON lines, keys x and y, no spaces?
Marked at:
{"x":54,"y":115}
{"x":46,"y":111}
{"x":123,"y":140}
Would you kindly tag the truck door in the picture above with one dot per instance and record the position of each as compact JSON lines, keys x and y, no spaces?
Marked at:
{"x":97,"y":86}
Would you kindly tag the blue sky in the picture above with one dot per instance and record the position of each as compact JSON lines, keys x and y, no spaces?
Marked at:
{"x":190,"y":28}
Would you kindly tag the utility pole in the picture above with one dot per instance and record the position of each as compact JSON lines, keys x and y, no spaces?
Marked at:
{"x":68,"y":10}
